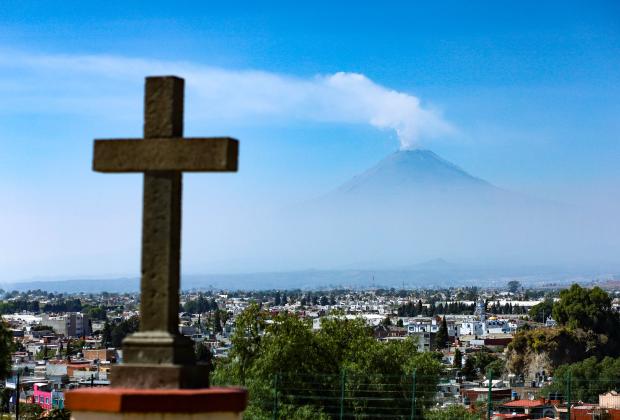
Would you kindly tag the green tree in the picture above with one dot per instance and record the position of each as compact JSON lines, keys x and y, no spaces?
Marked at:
{"x":217,"y":322}
{"x":58,"y":414}
{"x":42,"y":328}
{"x":477,"y":364}
{"x":98,"y":313}
{"x":314,"y":361}
{"x":458,"y":359}
{"x":588,"y":309}
{"x":204,"y":355}
{"x":514,"y":286}
{"x":386,"y":322}
{"x":589,"y":378}
{"x":442,"y":338}
{"x":5,"y":398}
{"x":450,"y":413}
{"x":6,"y":347}
{"x":246,"y":341}
{"x":113,"y":334}
{"x":30,"y":411}
{"x":419,"y":307}
{"x":541,"y":311}
{"x":106,"y":335}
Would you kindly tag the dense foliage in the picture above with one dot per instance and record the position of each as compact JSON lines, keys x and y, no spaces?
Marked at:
{"x":58,"y":414}
{"x":58,"y":305}
{"x":587,"y":327}
{"x":30,"y":411}
{"x":200,"y":305}
{"x":451,"y":413}
{"x":310,"y":367}
{"x":482,"y":363}
{"x":113,"y":334}
{"x":541,"y":311}
{"x":41,"y":328}
{"x":412,"y":309}
{"x":514,"y":286}
{"x":6,"y":347}
{"x":96,"y":313}
{"x":589,"y":378}
{"x":587,"y":309}
{"x":442,"y":338}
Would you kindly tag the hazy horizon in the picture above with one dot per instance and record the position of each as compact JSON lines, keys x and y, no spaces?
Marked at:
{"x":524,"y":98}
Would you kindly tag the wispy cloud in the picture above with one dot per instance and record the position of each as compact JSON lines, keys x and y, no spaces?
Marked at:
{"x":101,"y":83}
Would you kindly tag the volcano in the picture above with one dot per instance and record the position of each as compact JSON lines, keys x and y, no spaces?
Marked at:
{"x":412,"y":169}
{"x":415,"y":177}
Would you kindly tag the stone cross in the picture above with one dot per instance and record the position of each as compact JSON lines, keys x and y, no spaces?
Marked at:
{"x":158,"y":356}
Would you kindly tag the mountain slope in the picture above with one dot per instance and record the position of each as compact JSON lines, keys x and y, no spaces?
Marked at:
{"x":411,"y":169}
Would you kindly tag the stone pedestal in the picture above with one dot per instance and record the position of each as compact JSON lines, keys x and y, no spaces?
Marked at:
{"x":159,"y":360}
{"x":143,"y":404}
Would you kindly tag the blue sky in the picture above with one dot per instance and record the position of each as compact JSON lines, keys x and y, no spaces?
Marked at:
{"x":525,"y":96}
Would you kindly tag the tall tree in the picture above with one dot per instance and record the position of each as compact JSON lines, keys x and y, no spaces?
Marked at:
{"x":541,"y":311}
{"x":204,"y":355}
{"x":6,"y":347}
{"x":217,"y":322}
{"x":514,"y":286}
{"x":106,"y":335}
{"x":419,"y":308}
{"x":458,"y":359}
{"x":441,"y":340}
{"x":588,"y":309}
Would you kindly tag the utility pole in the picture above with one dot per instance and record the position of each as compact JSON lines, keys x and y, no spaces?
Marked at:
{"x":343,"y":378}
{"x":17,"y":397}
{"x":489,"y":399}
{"x":568,"y":402}
{"x":413,"y":402}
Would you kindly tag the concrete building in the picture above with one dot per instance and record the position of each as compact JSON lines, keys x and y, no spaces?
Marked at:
{"x":72,"y":324}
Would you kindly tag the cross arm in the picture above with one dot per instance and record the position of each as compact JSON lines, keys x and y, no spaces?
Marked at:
{"x":215,"y":154}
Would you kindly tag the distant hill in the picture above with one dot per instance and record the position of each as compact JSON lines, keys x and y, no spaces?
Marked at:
{"x":431,"y":274}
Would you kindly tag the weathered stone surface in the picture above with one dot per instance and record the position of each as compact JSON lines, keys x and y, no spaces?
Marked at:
{"x":153,"y":347}
{"x":163,"y":107}
{"x":174,"y":154}
{"x":158,"y":356}
{"x":158,"y":376}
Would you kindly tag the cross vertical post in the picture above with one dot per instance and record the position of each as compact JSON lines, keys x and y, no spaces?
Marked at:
{"x":161,"y":213}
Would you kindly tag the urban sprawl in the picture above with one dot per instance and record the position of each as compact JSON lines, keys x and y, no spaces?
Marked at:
{"x":456,"y":353}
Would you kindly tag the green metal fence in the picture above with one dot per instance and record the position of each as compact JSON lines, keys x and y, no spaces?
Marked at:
{"x":349,"y":395}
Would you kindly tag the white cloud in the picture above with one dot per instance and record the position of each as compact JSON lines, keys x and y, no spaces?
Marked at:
{"x":102,"y":84}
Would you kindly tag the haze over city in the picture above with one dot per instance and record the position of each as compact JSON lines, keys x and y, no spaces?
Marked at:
{"x":511,"y":115}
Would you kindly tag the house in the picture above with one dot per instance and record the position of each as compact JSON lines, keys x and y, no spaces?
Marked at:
{"x":608,"y":408}
{"x":103,"y":355}
{"x":47,"y":397}
{"x":425,"y":340}
{"x":534,"y":409}
{"x":472,"y":392}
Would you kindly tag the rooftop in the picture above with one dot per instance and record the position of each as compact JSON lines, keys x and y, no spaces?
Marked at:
{"x":526,"y":403}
